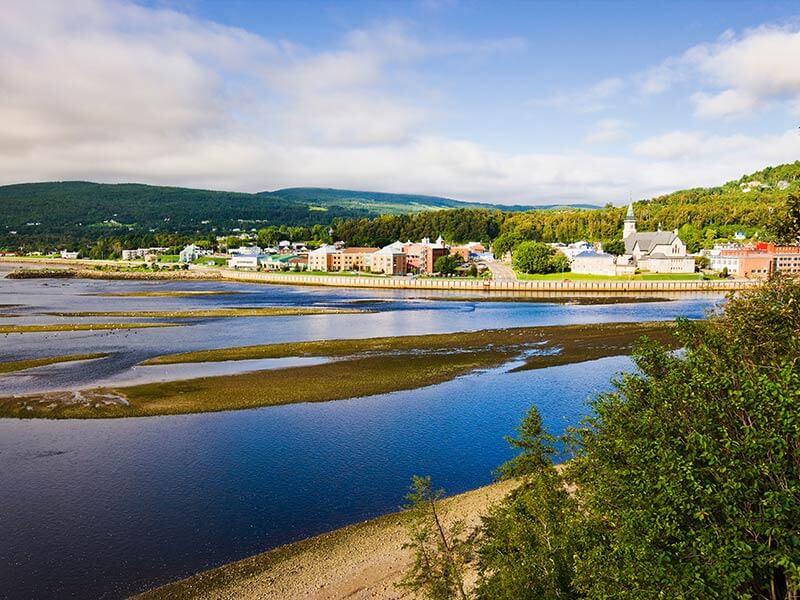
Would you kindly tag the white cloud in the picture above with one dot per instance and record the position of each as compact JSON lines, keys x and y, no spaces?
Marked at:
{"x":110,"y":91}
{"x":704,"y":156}
{"x":595,"y":98}
{"x":607,"y":130}
{"x":738,"y":74}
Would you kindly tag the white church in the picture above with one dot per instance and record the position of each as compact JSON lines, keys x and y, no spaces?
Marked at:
{"x":655,"y":251}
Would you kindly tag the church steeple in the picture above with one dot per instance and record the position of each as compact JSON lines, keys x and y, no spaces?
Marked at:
{"x":630,"y":222}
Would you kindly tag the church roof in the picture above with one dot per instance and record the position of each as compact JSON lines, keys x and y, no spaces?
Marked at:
{"x":648,"y":240}
{"x":629,"y":216}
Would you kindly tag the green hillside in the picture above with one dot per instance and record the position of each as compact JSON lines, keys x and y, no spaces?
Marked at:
{"x":392,"y":204}
{"x":86,"y":211}
{"x":74,"y":212}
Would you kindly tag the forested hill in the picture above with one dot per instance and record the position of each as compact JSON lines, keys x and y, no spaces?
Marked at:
{"x":391,"y":204}
{"x":77,"y":211}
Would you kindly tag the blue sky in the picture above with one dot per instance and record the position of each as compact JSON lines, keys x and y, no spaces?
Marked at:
{"x":516,"y":102}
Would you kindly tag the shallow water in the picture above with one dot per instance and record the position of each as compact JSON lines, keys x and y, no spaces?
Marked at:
{"x":104,"y":508}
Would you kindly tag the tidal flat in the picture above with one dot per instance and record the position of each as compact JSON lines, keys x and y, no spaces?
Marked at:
{"x":165,"y":294}
{"x":255,"y":311}
{"x":368,"y":367}
{"x":54,"y":327}
{"x":565,"y":343}
{"x":318,"y":383}
{"x":22,"y":365}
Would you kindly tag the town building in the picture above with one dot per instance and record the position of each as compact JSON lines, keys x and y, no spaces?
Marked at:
{"x":331,"y":258}
{"x":70,"y":255}
{"x":590,"y":262}
{"x":655,"y":251}
{"x":390,"y":260}
{"x":421,"y":257}
{"x":756,"y":261}
{"x":143,"y":252}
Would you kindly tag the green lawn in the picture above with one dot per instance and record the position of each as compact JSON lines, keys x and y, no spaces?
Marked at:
{"x":580,"y":277}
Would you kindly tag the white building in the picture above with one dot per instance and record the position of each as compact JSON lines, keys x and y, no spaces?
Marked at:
{"x":590,"y":262}
{"x":245,"y":251}
{"x":244,"y":261}
{"x":655,"y":251}
{"x":69,"y":255}
{"x":189,"y":254}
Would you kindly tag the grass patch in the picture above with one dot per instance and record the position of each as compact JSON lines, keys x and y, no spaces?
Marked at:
{"x":21,"y":365}
{"x":574,"y":341}
{"x":330,"y":273}
{"x":79,"y":327}
{"x":319,"y":383}
{"x":568,"y":276}
{"x":263,"y":311}
{"x":165,"y":293}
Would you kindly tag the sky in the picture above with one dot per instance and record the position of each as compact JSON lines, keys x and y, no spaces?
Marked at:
{"x":519,"y":102}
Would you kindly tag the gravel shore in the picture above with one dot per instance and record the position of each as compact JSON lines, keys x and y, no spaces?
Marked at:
{"x":361,"y":561}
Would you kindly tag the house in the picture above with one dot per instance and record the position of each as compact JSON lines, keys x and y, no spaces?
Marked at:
{"x":189,"y":254}
{"x":655,"y":251}
{"x":69,"y":255}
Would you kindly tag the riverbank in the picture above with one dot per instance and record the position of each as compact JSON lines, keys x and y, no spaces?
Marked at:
{"x":115,"y":270}
{"x":361,"y":561}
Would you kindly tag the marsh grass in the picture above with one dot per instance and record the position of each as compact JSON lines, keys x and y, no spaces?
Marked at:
{"x":51,"y":327}
{"x":260,"y":311}
{"x":318,"y":383}
{"x":21,"y":365}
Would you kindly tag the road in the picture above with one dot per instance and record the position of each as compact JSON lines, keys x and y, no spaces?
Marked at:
{"x":501,"y":271}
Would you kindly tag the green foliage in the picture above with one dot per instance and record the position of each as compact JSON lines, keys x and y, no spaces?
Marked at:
{"x":440,"y":553}
{"x":535,"y":445}
{"x":473,"y":270}
{"x":536,"y":257}
{"x":506,"y":242}
{"x":784,"y":226}
{"x":615,"y":247}
{"x":527,"y":542}
{"x":460,"y":225}
{"x":688,"y":474}
{"x":446,"y":265}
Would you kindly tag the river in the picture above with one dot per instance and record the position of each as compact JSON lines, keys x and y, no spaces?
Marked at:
{"x":106,"y":508}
